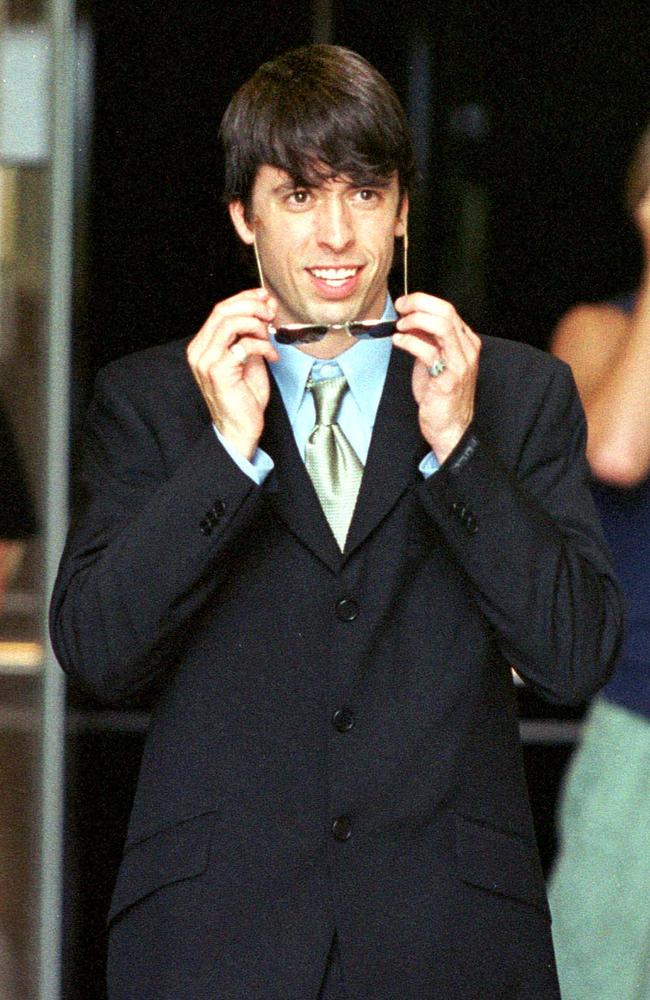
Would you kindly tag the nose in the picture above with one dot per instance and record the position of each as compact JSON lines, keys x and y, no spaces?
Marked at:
{"x":334,"y":228}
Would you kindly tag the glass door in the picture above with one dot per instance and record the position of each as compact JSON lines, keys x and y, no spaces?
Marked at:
{"x":35,"y":237}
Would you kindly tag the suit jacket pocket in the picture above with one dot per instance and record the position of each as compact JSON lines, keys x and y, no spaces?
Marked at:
{"x":171,"y":855}
{"x":499,"y":861}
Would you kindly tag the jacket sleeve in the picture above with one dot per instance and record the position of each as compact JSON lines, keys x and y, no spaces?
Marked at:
{"x":528,"y":538}
{"x":148,"y":546}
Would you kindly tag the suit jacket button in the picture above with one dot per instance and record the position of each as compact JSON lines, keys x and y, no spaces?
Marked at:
{"x":347,"y":609}
{"x":343,"y":720}
{"x":470,"y":524}
{"x":342,"y":828}
{"x":218,"y":508}
{"x":459,"y":509}
{"x":206,"y":527}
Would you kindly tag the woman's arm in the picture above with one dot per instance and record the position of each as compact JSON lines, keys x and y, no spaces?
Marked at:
{"x":609,"y":353}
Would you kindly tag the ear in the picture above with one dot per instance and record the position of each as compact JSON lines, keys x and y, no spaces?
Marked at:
{"x":238,"y":216}
{"x":402,"y":216}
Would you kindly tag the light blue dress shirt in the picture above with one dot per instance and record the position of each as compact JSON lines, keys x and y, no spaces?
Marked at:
{"x":364,"y":365}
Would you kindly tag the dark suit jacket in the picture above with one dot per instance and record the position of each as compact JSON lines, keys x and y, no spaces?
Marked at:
{"x":334,"y":742}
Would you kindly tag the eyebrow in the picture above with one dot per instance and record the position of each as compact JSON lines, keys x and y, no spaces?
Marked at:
{"x":288,"y":185}
{"x":294,"y":183}
{"x":373,"y":182}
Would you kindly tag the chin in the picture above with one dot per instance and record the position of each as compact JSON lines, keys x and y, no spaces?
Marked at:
{"x":336,"y":312}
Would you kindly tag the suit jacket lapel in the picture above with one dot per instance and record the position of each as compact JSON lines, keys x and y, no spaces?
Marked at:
{"x":396,"y":449}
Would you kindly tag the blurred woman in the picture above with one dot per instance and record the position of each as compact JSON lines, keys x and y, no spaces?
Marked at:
{"x":600,"y":889}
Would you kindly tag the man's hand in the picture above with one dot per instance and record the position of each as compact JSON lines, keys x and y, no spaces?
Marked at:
{"x":227,"y":360}
{"x":432,"y":331}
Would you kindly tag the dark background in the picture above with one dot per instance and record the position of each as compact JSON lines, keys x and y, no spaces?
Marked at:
{"x":524,"y":115}
{"x":564,"y":93}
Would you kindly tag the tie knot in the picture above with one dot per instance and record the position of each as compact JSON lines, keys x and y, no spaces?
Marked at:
{"x":327,"y":394}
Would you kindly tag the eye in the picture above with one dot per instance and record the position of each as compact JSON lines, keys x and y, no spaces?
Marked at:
{"x":367,"y":195}
{"x":298,"y":197}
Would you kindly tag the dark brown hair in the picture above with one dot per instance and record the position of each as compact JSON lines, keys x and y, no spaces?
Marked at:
{"x":317,"y":112}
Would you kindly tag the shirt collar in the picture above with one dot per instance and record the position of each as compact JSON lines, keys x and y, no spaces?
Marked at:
{"x":364,"y":366}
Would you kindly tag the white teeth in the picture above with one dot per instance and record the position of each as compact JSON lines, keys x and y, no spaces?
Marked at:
{"x":334,"y":273}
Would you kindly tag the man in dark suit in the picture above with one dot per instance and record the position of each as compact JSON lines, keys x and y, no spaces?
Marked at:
{"x":328,"y":546}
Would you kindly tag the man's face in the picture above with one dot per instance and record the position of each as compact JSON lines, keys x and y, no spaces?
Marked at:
{"x":325,"y":251}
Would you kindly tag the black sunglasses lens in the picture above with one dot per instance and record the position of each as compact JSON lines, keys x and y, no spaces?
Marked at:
{"x":300,"y":334}
{"x":312,"y":334}
{"x":371,"y":329}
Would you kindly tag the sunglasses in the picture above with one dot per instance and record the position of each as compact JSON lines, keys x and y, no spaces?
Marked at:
{"x":311,"y":333}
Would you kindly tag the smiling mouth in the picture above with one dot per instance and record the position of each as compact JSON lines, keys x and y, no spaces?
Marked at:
{"x":334,"y":277}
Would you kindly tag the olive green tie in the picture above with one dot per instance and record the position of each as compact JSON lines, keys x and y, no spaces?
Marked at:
{"x":331,"y":461}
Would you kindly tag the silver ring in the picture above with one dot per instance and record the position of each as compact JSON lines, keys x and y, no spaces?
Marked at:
{"x":437,"y":368}
{"x":238,"y":351}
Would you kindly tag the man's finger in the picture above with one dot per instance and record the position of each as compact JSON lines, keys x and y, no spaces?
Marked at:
{"x":258,"y":310}
{"x":423,"y":302}
{"x":424,"y":349}
{"x":454,"y":338}
{"x":215,"y":342}
{"x":246,"y":347}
